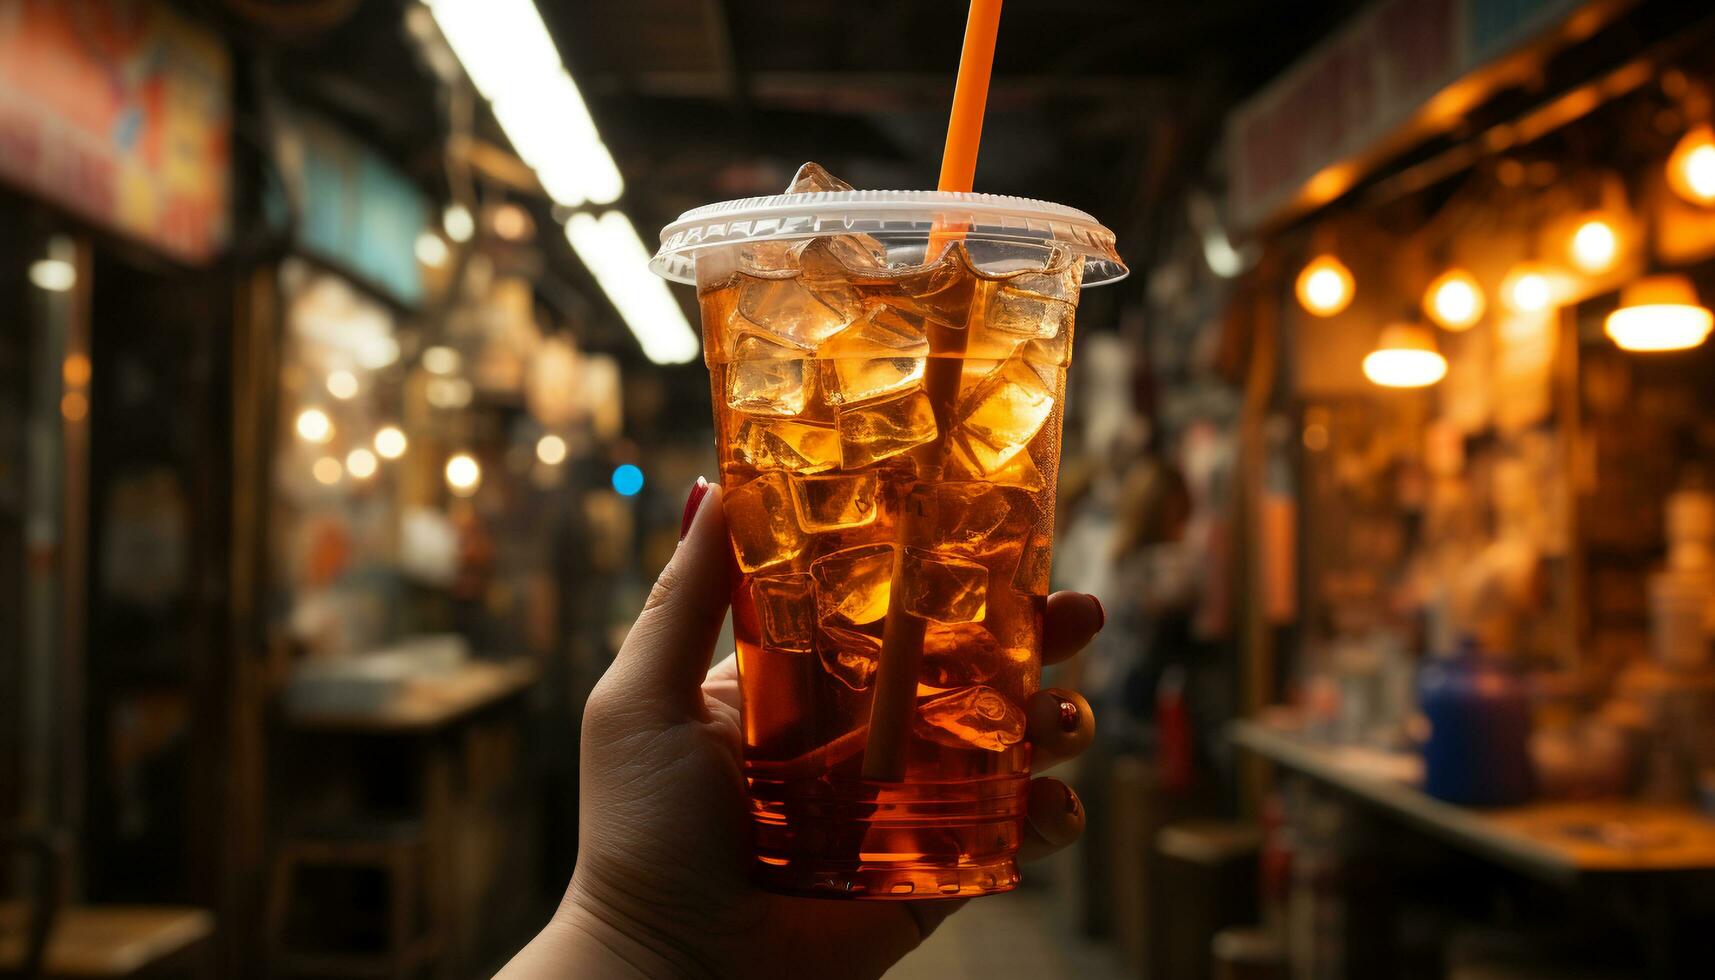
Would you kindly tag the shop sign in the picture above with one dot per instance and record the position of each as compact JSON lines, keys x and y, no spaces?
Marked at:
{"x":1397,"y":62}
{"x":354,"y":208}
{"x":119,"y":112}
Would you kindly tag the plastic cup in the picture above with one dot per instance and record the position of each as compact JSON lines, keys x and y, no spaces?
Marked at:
{"x":888,"y":428}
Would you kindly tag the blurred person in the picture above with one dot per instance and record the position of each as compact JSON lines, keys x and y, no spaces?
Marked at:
{"x":661,"y":887}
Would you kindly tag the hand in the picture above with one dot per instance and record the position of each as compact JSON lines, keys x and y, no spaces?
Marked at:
{"x":662,"y":886}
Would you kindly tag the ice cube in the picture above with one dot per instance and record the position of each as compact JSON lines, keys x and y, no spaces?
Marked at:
{"x":812,"y":177}
{"x":832,"y":263}
{"x":999,"y":416}
{"x":795,"y":310}
{"x":967,"y":517}
{"x":971,"y":718}
{"x":875,"y":431}
{"x":880,"y":354}
{"x":850,"y":656}
{"x":962,"y":654}
{"x":763,"y":523}
{"x":1035,"y":564}
{"x":942,"y":291}
{"x":785,"y":445}
{"x":853,"y":585}
{"x":836,"y":501}
{"x":1021,"y":473}
{"x":942,"y":587}
{"x":786,"y":610}
{"x":767,"y":378}
{"x":1055,"y":351}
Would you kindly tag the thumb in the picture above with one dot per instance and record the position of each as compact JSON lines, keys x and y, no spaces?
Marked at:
{"x":663,"y":661}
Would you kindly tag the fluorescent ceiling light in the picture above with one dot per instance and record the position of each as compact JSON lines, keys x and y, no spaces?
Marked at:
{"x":610,"y":247}
{"x":506,"y":50}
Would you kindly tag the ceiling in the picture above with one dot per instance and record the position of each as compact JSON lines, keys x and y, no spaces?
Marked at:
{"x":1107,"y":105}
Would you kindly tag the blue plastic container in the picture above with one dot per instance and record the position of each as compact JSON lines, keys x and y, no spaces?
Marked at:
{"x":1478,"y":750}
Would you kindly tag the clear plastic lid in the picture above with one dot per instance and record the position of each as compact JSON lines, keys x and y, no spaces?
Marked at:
{"x":892,"y":218}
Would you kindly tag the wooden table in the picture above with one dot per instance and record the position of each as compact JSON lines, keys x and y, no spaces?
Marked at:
{"x":437,"y":714}
{"x":428,"y":703}
{"x":1563,"y":842}
{"x":116,"y":941}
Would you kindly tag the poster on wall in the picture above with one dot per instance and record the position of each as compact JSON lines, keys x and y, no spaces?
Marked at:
{"x":119,"y":111}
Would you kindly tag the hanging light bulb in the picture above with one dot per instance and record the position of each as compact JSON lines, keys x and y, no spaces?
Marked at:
{"x":313,"y":425}
{"x":1594,"y":245}
{"x":1405,"y":357}
{"x":1691,"y":167}
{"x":1659,"y":313}
{"x":390,"y":442}
{"x":1454,"y":300}
{"x":1527,"y":288}
{"x":463,"y":474}
{"x":1325,"y":286}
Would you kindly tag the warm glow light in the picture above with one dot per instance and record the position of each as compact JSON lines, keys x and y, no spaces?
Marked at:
{"x":53,"y":275}
{"x":511,"y":222}
{"x":463,"y":474}
{"x":75,"y":370}
{"x":448,"y":392}
{"x":1660,"y":313}
{"x":74,"y":406}
{"x":1691,"y":168}
{"x":1594,"y":245}
{"x":610,"y":247}
{"x":1527,"y":289}
{"x":1405,"y":357}
{"x":313,"y":425}
{"x":390,"y":442}
{"x":551,"y":449}
{"x":342,"y":384}
{"x":441,"y":360}
{"x":432,"y":250}
{"x":1325,"y":286}
{"x":1454,"y":300}
{"x":360,"y":463}
{"x":326,"y":471}
{"x":457,"y":222}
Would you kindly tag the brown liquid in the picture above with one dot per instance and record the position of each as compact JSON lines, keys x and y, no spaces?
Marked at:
{"x":827,"y":439}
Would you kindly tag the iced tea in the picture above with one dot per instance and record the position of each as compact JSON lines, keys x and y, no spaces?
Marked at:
{"x":856,"y":482}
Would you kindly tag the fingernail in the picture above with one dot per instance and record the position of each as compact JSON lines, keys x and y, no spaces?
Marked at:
{"x":1068,"y":715}
{"x":1101,"y":613}
{"x":699,"y":490}
{"x":1071,"y":802}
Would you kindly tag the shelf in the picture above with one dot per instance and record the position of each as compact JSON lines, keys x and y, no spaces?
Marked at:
{"x":1558,"y":841}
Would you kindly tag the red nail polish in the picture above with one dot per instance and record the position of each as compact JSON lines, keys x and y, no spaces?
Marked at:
{"x":1068,"y":715}
{"x":1101,"y":613}
{"x":699,"y":490}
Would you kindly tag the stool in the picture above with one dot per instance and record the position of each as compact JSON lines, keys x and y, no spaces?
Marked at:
{"x":1208,"y":881}
{"x":1248,"y":954}
{"x":401,"y":853}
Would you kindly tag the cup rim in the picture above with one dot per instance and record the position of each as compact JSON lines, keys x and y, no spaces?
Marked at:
{"x":885,"y":214}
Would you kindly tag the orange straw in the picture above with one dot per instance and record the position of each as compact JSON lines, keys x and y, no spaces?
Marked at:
{"x":970,"y":97}
{"x":893,"y":706}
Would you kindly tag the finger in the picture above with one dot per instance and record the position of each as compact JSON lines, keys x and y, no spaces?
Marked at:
{"x":1072,"y":620}
{"x":1059,"y":725}
{"x":1053,"y":818}
{"x":722,"y":682}
{"x":666,"y":655}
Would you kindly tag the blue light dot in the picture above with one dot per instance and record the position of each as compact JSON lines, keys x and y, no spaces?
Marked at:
{"x":627,"y":480}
